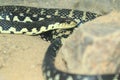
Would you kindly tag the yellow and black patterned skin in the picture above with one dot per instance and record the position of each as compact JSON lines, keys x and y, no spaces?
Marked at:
{"x":50,"y":24}
{"x":50,"y":21}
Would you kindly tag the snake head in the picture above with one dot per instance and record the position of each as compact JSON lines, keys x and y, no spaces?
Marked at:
{"x":66,"y":23}
{"x":58,"y":22}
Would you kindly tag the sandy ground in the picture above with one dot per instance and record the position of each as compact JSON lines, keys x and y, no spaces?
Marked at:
{"x":21,"y":57}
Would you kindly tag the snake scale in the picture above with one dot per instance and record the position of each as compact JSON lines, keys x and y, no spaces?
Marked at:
{"x":52,"y":25}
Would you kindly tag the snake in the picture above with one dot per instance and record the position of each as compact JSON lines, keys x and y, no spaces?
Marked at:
{"x":51,"y":24}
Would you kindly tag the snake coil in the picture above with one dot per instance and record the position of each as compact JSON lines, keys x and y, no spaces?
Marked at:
{"x":52,"y":25}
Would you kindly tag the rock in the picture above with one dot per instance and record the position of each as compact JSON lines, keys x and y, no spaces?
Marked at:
{"x":94,"y":47}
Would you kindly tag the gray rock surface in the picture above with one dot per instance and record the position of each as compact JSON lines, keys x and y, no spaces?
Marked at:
{"x":94,"y":48}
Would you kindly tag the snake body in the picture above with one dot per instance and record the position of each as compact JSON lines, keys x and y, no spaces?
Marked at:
{"x":49,"y":68}
{"x":51,"y":24}
{"x":43,"y":21}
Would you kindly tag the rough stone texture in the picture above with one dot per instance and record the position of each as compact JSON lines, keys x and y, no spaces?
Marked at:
{"x":94,"y":48}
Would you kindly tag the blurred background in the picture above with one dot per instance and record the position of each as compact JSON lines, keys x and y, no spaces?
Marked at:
{"x":100,"y":6}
